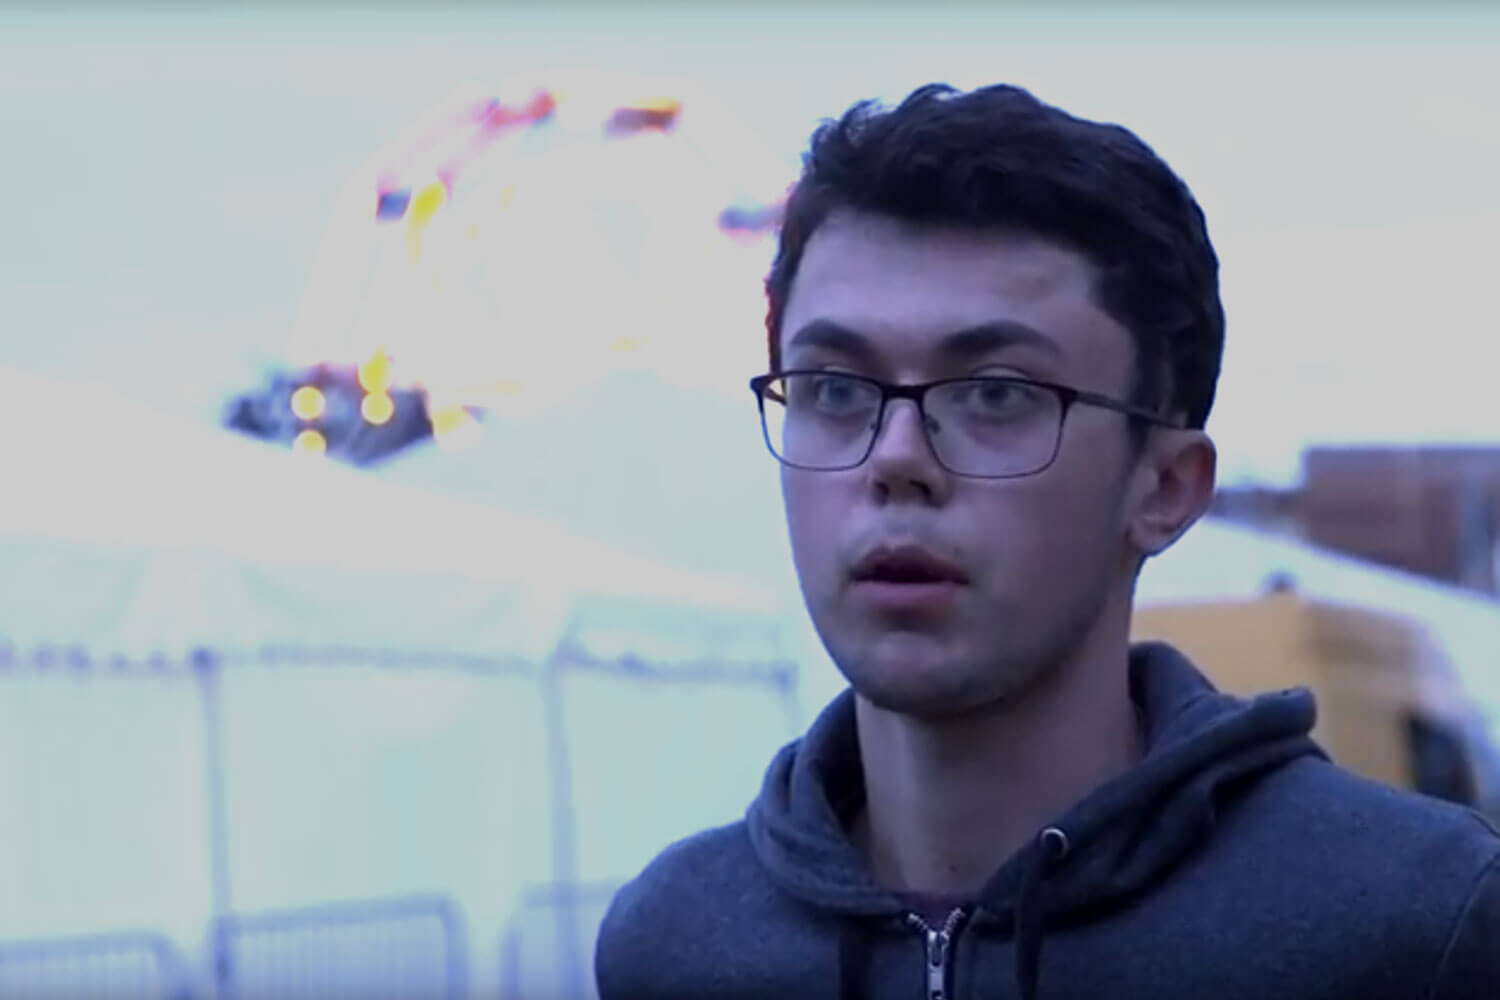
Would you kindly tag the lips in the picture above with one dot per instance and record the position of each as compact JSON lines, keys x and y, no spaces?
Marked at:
{"x":906,"y":564}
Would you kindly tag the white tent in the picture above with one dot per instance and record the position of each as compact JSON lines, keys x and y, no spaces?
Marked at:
{"x":291,"y":549}
{"x":415,"y":748}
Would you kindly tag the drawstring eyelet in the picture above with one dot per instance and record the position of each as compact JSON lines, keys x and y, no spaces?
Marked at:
{"x":1030,"y":912}
{"x":1054,"y":844}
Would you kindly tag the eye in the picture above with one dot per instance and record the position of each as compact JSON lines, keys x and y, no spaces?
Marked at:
{"x":995,"y":398}
{"x":831,"y":394}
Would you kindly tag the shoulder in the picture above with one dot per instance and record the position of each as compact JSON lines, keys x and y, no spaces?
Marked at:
{"x":1372,"y":842}
{"x":1470,"y":966}
{"x":702,"y":868}
{"x":705,"y":889}
{"x":681,"y":889}
{"x":1405,"y":873}
{"x":1324,"y":807}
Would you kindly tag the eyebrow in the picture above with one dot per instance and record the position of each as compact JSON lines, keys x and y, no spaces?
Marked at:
{"x":957,"y":347}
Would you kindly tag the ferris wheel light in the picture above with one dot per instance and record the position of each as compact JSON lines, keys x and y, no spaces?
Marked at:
{"x":377,"y":408}
{"x":375,"y":374}
{"x":392,"y":204}
{"x":447,"y":419}
{"x":308,"y":403}
{"x":626,"y":172}
{"x":658,"y":114}
{"x":310,"y":442}
{"x":427,"y":201}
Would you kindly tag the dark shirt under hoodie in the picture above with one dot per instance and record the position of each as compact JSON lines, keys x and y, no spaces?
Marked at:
{"x":1233,"y":861}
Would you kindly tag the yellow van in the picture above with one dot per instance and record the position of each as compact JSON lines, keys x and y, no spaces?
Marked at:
{"x":1390,"y":705}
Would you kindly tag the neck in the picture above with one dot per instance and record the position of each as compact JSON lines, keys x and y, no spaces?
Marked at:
{"x":948,"y":800}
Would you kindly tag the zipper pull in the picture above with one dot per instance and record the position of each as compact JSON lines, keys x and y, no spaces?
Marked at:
{"x":937,"y":964}
{"x":939,"y":948}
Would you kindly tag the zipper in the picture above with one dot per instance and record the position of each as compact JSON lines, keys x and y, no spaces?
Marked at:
{"x":939,"y":951}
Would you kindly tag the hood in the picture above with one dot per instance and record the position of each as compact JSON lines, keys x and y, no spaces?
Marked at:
{"x":1123,"y":836}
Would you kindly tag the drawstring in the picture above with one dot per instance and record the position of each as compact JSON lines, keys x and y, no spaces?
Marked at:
{"x":1052,"y":845}
{"x":853,"y":946}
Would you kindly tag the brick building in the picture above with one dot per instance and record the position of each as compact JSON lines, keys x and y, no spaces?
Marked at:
{"x":1433,"y":511}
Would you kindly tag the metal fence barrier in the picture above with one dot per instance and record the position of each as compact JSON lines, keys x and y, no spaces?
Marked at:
{"x":132,"y":965}
{"x":412,"y":948}
{"x":548,"y":952}
{"x":409,"y":948}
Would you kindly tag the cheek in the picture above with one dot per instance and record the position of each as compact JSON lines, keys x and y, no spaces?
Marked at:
{"x":1053,"y":531}
{"x":812,"y":510}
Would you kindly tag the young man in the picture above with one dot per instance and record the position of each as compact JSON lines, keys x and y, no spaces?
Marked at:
{"x":995,"y":333}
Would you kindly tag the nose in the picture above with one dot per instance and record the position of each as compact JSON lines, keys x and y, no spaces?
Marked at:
{"x":901,"y":462}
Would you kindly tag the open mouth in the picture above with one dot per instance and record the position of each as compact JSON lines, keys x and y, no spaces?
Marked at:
{"x":904,"y":574}
{"x":907,"y":579}
{"x":907,"y":566}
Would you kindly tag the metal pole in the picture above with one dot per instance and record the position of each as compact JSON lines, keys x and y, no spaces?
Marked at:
{"x":564,"y":833}
{"x":207,"y":668}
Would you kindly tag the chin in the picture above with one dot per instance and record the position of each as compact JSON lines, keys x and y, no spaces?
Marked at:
{"x":910,"y":676}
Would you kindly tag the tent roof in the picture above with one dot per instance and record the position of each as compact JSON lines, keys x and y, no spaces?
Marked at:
{"x":127,"y":533}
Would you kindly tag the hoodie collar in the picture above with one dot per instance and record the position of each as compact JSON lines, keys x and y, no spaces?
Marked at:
{"x":1122,"y":836}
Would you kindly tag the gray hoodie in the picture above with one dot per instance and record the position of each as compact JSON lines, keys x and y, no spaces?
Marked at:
{"x":1233,"y":861}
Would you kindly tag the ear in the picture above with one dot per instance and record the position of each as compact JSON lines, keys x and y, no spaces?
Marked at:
{"x":1173,"y":487}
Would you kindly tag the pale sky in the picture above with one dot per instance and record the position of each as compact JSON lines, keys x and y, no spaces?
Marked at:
{"x":170,"y":177}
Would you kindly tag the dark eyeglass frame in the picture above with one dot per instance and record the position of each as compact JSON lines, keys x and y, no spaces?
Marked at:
{"x":917,"y":392}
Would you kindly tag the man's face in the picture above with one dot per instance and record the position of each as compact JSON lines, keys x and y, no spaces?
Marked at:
{"x":1037,"y":557}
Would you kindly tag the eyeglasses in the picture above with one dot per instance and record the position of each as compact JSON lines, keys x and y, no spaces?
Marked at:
{"x":989,"y":427}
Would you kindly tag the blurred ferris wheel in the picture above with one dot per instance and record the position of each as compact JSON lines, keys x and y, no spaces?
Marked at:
{"x":507,"y":251}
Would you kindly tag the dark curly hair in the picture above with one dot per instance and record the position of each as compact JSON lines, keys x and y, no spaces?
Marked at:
{"x":999,"y":158}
